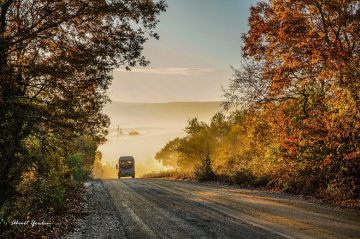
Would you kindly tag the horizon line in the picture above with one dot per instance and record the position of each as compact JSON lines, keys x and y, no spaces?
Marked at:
{"x":169,"y":102}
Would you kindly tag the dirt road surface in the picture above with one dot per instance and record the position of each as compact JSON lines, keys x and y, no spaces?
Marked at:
{"x":153,"y":208}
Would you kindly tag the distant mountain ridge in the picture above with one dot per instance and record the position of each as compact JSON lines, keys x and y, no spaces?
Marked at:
{"x":172,"y":114}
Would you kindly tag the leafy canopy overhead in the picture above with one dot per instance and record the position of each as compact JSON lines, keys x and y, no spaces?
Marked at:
{"x":56,"y":62}
{"x":306,"y":42}
{"x":57,"y":56}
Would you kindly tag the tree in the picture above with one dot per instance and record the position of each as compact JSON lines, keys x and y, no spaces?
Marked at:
{"x":56,"y":59}
{"x":305,"y":43}
{"x":219,"y":127}
{"x":245,"y":145}
{"x":204,"y":172}
{"x":308,"y":88}
{"x":169,"y":154}
{"x":195,"y":145}
{"x":247,"y":88}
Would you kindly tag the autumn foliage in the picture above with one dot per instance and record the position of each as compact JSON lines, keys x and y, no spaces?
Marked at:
{"x":310,"y":53}
{"x":298,"y":129}
{"x":56,"y":62}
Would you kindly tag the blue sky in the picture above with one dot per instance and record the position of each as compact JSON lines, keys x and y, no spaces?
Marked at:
{"x":199,"y":42}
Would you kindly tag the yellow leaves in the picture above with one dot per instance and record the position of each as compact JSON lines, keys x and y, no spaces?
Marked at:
{"x":294,"y":33}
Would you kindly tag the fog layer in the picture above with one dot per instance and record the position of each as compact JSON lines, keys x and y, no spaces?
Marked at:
{"x":142,"y":129}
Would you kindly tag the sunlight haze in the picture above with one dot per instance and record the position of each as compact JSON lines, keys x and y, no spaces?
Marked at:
{"x":199,"y":42}
{"x":156,"y":123}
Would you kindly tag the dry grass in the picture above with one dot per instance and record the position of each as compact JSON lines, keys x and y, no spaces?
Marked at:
{"x":173,"y":174}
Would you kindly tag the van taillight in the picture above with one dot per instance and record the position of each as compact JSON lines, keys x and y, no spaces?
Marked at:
{"x":132,"y":167}
{"x":121,"y":168}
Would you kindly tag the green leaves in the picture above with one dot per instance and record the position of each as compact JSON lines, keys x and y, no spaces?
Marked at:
{"x":204,"y":171}
{"x":56,"y":62}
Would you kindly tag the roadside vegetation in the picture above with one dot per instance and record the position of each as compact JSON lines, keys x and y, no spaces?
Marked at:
{"x":173,"y":174}
{"x":296,"y":128}
{"x":56,"y":62}
{"x":49,"y":192}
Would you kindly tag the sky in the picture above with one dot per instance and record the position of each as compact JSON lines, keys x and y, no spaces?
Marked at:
{"x":199,"y":42}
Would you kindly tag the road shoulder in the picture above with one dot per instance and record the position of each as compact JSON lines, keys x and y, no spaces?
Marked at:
{"x":100,"y":220}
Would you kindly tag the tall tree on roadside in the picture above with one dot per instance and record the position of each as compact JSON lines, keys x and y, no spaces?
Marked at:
{"x":56,"y":59}
{"x":309,"y":84}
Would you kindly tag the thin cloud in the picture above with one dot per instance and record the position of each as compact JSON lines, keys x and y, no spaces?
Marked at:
{"x":172,"y":71}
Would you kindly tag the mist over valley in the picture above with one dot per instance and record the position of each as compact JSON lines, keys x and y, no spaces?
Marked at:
{"x":142,"y":129}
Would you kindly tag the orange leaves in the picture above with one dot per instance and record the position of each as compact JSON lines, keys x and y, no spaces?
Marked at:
{"x":307,"y":89}
{"x":302,"y":37}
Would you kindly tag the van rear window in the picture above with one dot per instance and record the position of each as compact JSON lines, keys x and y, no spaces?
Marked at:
{"x":126,"y":164}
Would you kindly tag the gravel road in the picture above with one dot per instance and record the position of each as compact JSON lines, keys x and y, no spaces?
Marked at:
{"x":153,"y":208}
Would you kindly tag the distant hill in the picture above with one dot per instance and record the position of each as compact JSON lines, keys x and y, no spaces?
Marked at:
{"x":156,"y":124}
{"x":173,"y":114}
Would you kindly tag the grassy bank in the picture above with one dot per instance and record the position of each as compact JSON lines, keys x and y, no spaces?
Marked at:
{"x":19,"y":220}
